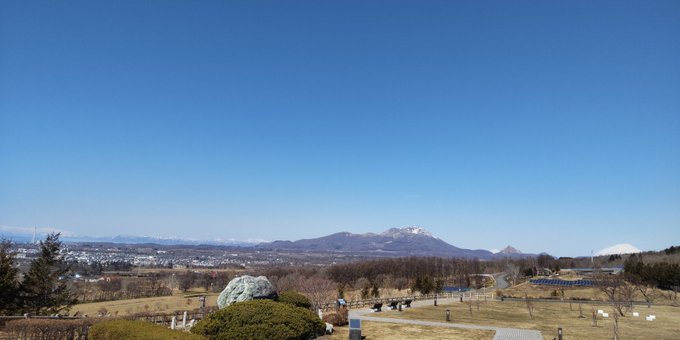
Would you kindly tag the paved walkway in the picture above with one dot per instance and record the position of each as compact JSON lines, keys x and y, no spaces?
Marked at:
{"x":501,"y":281}
{"x":501,"y":332}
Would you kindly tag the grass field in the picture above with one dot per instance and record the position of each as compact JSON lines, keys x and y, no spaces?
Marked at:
{"x":545,"y":291}
{"x":548,"y":316}
{"x":385,"y":330}
{"x":153,"y":304}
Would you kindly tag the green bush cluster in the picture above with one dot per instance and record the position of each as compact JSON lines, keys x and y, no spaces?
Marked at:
{"x":126,"y":329}
{"x":294,"y":298}
{"x":261,"y":319}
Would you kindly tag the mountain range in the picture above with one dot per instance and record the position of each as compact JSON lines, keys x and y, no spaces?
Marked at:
{"x":26,"y":235}
{"x":410,"y":241}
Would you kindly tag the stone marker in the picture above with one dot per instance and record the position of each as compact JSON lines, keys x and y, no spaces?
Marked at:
{"x":636,"y":314}
{"x":605,"y":315}
{"x":355,"y":329}
{"x":246,"y":288}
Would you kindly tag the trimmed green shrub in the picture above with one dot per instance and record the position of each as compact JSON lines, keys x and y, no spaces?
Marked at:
{"x":136,"y":330}
{"x":294,"y":298}
{"x":261,"y":319}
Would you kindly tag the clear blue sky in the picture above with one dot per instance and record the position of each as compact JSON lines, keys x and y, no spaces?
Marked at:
{"x":547,"y":125}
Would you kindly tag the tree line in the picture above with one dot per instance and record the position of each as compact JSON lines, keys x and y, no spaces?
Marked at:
{"x":663,"y":275}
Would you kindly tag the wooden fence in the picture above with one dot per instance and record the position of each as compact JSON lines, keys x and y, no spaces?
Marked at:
{"x":385,"y":301}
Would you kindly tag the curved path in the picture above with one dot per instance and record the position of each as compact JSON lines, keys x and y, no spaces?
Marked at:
{"x":502,"y":333}
{"x":501,"y":280}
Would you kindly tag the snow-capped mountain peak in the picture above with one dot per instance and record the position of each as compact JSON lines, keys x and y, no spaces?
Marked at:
{"x":618,"y":249}
{"x":398,"y":232}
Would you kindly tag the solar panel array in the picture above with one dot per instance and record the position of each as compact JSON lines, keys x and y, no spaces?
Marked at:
{"x":450,"y":289}
{"x":563,"y":283}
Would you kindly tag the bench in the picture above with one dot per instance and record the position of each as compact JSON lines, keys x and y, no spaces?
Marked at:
{"x":377,"y":307}
{"x":393,"y":305}
{"x":407,"y":303}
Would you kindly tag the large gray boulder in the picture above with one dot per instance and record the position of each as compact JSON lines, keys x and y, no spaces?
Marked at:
{"x":246,"y":288}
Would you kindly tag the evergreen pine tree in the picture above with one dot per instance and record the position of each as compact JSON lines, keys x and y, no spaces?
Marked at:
{"x":9,"y":287}
{"x":45,"y":288}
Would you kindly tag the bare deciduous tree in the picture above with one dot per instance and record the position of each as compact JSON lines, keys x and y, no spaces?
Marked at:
{"x":618,"y":292}
{"x":513,"y":271}
{"x":646,"y":290}
{"x":469,"y":304}
{"x":288,"y":282}
{"x":616,"y":324}
{"x":318,"y":290}
{"x":530,"y":306}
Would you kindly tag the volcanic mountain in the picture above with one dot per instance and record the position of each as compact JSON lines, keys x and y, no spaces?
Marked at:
{"x":623,"y":248}
{"x":392,"y":242}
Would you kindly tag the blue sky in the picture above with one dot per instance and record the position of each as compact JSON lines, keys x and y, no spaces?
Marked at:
{"x":549,"y":126}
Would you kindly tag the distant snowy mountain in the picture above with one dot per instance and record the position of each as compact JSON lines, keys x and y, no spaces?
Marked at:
{"x":623,"y":248}
{"x":161,"y":240}
{"x":19,"y":234}
{"x":402,"y":232}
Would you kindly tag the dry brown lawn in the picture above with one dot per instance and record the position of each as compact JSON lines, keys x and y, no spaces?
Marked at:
{"x":544,"y":291}
{"x":588,"y":293}
{"x":386,"y":330}
{"x":548,"y":316}
{"x":152,"y":304}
